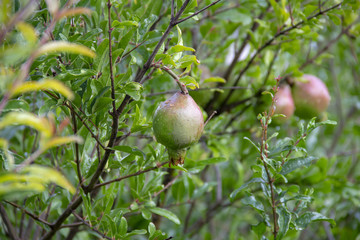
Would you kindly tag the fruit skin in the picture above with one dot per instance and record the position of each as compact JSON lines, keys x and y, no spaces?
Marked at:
{"x":311,"y":97}
{"x":284,"y":104}
{"x":178,"y":123}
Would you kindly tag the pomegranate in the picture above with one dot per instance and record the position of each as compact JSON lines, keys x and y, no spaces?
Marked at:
{"x":178,"y":123}
{"x":311,"y":97}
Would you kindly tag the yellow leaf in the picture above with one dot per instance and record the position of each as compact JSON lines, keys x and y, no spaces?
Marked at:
{"x":74,"y":11}
{"x":32,"y":179}
{"x":9,"y":157}
{"x":56,"y":141}
{"x":49,"y":175}
{"x":47,"y":84}
{"x":63,"y":46}
{"x":27,"y":31}
{"x":25,"y":118}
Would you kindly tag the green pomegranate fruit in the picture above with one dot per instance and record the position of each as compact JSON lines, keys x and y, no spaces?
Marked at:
{"x":284,"y":104}
{"x":311,"y":97}
{"x":178,"y":123}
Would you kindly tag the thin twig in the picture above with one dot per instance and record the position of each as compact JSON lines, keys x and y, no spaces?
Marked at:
{"x":91,"y":227}
{"x":130,"y":51}
{"x":130,"y":175}
{"x":197,"y":12}
{"x":71,"y":107}
{"x":71,"y":225}
{"x":166,"y":186}
{"x":175,"y":77}
{"x":209,"y":118}
{"x":110,"y":60}
{"x":10,"y":228}
{"x":199,"y":89}
{"x":33,"y":216}
{"x":77,"y":157}
{"x":237,"y":54}
{"x":291,"y":150}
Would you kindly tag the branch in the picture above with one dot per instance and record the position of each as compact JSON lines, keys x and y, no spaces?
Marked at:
{"x":77,"y":157}
{"x":91,"y":227}
{"x":172,"y":10}
{"x":238,"y":53}
{"x":327,"y":46}
{"x":268,"y":43}
{"x":110,"y":60}
{"x":71,"y":107}
{"x":166,"y":186}
{"x":175,"y":77}
{"x":130,"y":175}
{"x":10,"y":228}
{"x":198,"y":89}
{"x":264,"y":152}
{"x":197,"y":12}
{"x":33,"y":216}
{"x":130,"y":51}
{"x":209,"y":118}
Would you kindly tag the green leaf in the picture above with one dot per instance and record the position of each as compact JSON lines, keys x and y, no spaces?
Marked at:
{"x":165,"y":213}
{"x":251,"y":201}
{"x":234,"y":194}
{"x":284,"y":220}
{"x":130,"y":150}
{"x":327,"y":122}
{"x":63,"y":46}
{"x":151,"y":229}
{"x":46,"y":84}
{"x":134,"y":90}
{"x":16,"y":105}
{"x":179,"y":48}
{"x":136,"y":232}
{"x":188,"y":60}
{"x":304,"y":220}
{"x":123,"y":226}
{"x":334,"y":18}
{"x":295,"y":163}
{"x":190,"y":82}
{"x":215,"y":79}
{"x":248,"y":139}
{"x":146,"y":214}
{"x":281,"y":149}
{"x":180,"y":42}
{"x":117,"y":24}
{"x":259,"y":229}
